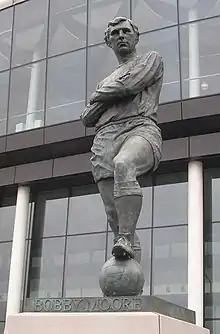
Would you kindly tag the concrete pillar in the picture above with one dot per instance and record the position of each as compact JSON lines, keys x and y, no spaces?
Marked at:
{"x":195,"y":239}
{"x":18,"y":251}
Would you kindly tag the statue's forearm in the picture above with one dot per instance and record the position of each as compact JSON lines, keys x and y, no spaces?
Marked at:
{"x":92,"y":113}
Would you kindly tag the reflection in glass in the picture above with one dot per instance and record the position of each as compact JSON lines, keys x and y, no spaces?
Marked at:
{"x":170,"y":264}
{"x":101,"y":62}
{"x":212,"y":271}
{"x":5,"y":36}
{"x":86,"y":214}
{"x":215,"y":200}
{"x":66,"y":87}
{"x":7,"y":215}
{"x":30,"y":32}
{"x":100,"y":13}
{"x":200,"y":58}
{"x":4,"y":82}
{"x":5,"y":256}
{"x":46,"y":268}
{"x":67,"y":25}
{"x":166,"y":43}
{"x":145,"y":219}
{"x":170,"y":204}
{"x":154,"y":14}
{"x":51,"y":213}
{"x":84,"y":260}
{"x":213,"y":326}
{"x":199,"y":8}
{"x":145,"y":240}
{"x":26,"y":108}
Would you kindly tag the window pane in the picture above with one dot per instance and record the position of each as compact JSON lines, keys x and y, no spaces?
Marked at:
{"x":213,"y":326}
{"x":66,"y":87}
{"x":5,"y":257}
{"x":84,"y":260}
{"x":4,"y":85}
{"x":46,"y":268}
{"x":26,"y":108}
{"x":100,"y":13}
{"x":29,"y":43}
{"x":5,"y":37}
{"x":154,"y":14}
{"x":145,"y":241}
{"x":215,"y":200}
{"x":67,"y":25}
{"x":201,"y":61}
{"x":7,"y":215}
{"x":101,"y":62}
{"x":145,"y":219}
{"x":166,"y":43}
{"x":212,"y":271}
{"x":51,"y":213}
{"x":5,"y":3}
{"x":170,"y":204}
{"x":86,"y":214}
{"x":170,"y":264}
{"x":198,"y":9}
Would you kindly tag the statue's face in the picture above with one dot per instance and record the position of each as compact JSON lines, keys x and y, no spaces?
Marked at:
{"x":122,"y":38}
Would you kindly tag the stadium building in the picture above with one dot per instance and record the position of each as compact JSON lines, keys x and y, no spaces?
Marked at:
{"x":53,"y":232}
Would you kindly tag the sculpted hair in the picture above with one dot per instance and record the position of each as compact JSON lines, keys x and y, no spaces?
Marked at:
{"x":116,"y":21}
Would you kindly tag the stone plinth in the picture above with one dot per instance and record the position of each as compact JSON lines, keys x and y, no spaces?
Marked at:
{"x":98,"y":323}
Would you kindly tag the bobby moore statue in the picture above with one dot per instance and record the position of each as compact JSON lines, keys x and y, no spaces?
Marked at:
{"x":128,"y":141}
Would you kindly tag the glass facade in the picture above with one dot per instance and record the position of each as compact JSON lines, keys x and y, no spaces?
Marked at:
{"x":52,"y":53}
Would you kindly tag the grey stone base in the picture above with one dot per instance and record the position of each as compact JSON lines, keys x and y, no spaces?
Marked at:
{"x":110,"y":304}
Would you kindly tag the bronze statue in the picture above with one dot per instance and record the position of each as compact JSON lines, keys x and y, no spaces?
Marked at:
{"x":128,"y":141}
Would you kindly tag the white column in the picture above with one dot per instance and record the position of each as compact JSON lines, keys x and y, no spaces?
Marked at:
{"x":18,"y":251}
{"x":195,"y":239}
{"x":33,"y":92}
{"x":194,"y":81}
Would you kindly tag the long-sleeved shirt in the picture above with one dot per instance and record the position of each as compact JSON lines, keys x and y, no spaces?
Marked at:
{"x":132,"y":90}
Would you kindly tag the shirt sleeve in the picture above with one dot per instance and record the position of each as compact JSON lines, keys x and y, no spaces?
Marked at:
{"x":149,"y":70}
{"x":92,"y":113}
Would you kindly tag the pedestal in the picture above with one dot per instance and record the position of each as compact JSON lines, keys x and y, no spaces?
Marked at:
{"x":98,"y":323}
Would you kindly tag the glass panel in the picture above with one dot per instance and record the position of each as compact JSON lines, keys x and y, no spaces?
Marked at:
{"x":84,"y":260}
{"x":154,"y":14}
{"x":170,"y":204}
{"x":5,"y":37}
{"x":46,"y":268}
{"x":86,"y":214}
{"x":4,"y":85}
{"x":200,"y":58}
{"x":26,"y":108}
{"x":67,"y":25}
{"x":30,"y":32}
{"x":215,"y":200}
{"x":66,"y":87}
{"x":145,"y":240}
{"x":100,"y":13}
{"x":166,"y":43}
{"x":145,"y":219}
{"x":101,"y":62}
{"x":5,"y":3}
{"x":212,"y":271}
{"x":213,"y":326}
{"x":198,"y":9}
{"x":51,"y":213}
{"x":2,"y":326}
{"x":7,"y":215}
{"x":5,"y":257}
{"x":170,"y":264}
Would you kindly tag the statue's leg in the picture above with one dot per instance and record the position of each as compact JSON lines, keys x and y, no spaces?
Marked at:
{"x":106,"y":189}
{"x":134,"y":158}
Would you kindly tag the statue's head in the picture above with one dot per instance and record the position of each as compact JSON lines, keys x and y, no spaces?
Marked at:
{"x":122,"y":35}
